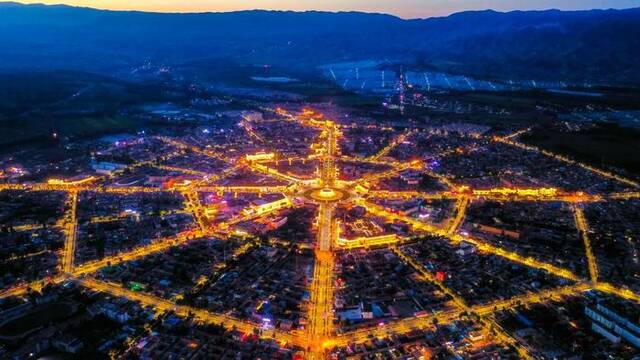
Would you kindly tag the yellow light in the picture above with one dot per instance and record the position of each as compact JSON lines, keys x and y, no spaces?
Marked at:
{"x":328,"y":343}
{"x":327,"y":193}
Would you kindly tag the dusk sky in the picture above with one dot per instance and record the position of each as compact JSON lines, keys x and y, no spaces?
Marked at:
{"x":403,"y":8}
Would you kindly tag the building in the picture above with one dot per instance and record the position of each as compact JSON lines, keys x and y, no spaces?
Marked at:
{"x":106,"y":168}
{"x":613,"y":326}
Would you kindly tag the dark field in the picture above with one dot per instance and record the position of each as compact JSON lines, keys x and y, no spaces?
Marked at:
{"x":43,"y":315}
{"x":603,"y":145}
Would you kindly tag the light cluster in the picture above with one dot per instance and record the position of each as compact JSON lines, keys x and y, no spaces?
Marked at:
{"x":326,"y":191}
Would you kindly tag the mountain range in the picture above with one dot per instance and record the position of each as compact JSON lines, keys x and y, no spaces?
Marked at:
{"x":595,"y":45}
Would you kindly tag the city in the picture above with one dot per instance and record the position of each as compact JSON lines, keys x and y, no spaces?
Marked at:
{"x":355,"y":181}
{"x":370,"y":220}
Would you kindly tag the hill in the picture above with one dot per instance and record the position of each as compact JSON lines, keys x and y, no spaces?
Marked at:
{"x":596,"y":45}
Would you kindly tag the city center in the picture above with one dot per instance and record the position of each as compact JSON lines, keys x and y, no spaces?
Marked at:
{"x":331,"y":181}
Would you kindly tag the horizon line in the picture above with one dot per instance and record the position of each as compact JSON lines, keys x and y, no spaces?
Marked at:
{"x":336,"y":11}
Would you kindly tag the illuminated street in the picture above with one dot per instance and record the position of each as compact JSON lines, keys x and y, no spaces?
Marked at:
{"x":329,"y":196}
{"x":337,"y":180}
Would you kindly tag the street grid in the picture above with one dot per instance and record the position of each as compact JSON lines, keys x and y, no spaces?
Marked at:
{"x":326,"y":190}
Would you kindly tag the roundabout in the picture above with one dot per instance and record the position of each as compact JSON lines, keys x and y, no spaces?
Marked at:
{"x":326,"y":194}
{"x":399,"y":233}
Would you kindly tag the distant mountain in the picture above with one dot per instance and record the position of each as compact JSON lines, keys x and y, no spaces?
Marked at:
{"x":596,"y":45}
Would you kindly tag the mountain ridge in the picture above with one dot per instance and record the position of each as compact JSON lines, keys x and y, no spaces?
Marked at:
{"x":592,"y":45}
{"x":455,"y":14}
